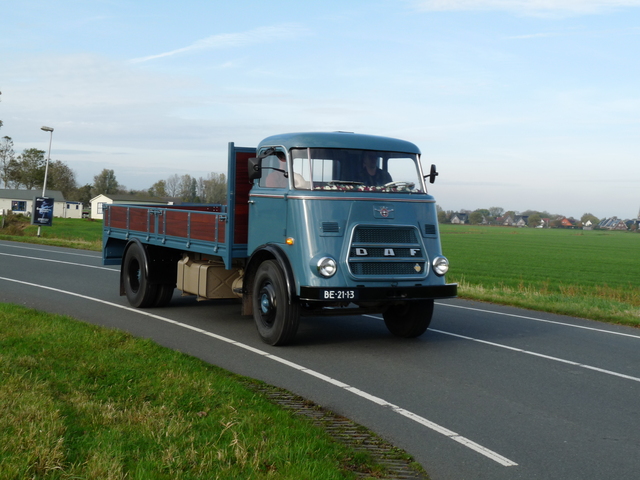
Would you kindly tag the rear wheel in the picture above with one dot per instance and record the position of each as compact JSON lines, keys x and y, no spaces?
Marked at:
{"x":276,"y":318}
{"x":139,"y":291}
{"x":410,"y":319}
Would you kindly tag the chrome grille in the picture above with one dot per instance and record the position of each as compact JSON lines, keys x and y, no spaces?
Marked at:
{"x":387,"y":251}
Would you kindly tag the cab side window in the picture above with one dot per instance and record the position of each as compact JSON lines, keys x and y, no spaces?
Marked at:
{"x":274,"y":168}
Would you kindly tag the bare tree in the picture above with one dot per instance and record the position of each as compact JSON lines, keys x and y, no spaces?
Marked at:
{"x":172,"y":185}
{"x":496,"y":211}
{"x":6,"y":155}
{"x":215,"y":188}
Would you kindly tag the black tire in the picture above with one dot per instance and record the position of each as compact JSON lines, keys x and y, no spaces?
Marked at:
{"x":276,"y":319}
{"x":164,"y":294}
{"x":410,"y":319}
{"x":139,"y":291}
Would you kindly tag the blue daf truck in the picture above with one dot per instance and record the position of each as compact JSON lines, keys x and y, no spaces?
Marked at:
{"x":315,"y":224}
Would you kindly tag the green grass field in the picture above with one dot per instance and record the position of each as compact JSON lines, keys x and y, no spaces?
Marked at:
{"x":80,"y":401}
{"x":65,"y":232}
{"x":593,"y":274}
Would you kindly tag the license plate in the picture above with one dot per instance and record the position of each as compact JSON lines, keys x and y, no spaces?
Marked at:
{"x":338,"y":294}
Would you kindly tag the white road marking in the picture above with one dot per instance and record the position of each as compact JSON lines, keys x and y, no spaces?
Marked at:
{"x":379,"y":401}
{"x":51,"y":251}
{"x":600,"y":330}
{"x":60,"y":261}
{"x":541,"y":355}
{"x":547,"y":357}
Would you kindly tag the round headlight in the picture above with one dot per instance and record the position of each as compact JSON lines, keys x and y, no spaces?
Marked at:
{"x":440,"y":265}
{"x":327,"y":267}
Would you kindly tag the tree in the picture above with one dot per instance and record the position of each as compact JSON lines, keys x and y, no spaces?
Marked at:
{"x":61,"y":177}
{"x":475,"y":218}
{"x":105,"y":183}
{"x":589,"y":217}
{"x":28,"y":169}
{"x":172,"y":185}
{"x":158,"y":189}
{"x":214,"y":189}
{"x":82,"y":194}
{"x":6,"y":156}
{"x":496,"y":212}
{"x":535,"y":219}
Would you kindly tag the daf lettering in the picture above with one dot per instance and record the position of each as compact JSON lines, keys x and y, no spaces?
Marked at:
{"x":388,"y":252}
{"x":361,"y":252}
{"x":414,"y":251}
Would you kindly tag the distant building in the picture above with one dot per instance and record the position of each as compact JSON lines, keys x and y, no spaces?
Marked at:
{"x":460,"y":218}
{"x":521,"y":220}
{"x":566,"y":223}
{"x":21,"y":201}
{"x":514,"y":221}
{"x":613,"y":223}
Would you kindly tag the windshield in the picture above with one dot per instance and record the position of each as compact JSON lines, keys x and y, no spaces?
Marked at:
{"x":358,"y":170}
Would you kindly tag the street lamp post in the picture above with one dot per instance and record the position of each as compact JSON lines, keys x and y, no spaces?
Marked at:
{"x":46,"y":168}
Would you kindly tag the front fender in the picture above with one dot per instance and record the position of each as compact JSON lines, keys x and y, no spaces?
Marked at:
{"x":270,"y":252}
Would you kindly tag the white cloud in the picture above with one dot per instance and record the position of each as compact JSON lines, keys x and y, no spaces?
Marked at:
{"x":235,"y":40}
{"x":534,"y":7}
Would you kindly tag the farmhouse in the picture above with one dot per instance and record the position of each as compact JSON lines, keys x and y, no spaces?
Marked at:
{"x":515,"y":221}
{"x":98,"y":202}
{"x":566,"y":223}
{"x":460,"y":218}
{"x":613,"y":223}
{"x":21,"y":201}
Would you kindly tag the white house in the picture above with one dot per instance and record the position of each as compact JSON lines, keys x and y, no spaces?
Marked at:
{"x":21,"y":201}
{"x":98,"y":202}
{"x":72,"y":209}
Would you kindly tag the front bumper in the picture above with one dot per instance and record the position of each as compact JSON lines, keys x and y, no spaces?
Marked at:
{"x":378,"y":294}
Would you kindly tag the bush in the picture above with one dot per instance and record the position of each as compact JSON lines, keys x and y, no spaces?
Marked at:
{"x":14,"y":224}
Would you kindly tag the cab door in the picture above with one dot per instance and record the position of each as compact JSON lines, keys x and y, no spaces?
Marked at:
{"x":267,"y":202}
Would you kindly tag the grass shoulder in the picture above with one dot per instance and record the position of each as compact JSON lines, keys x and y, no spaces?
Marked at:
{"x":80,"y":401}
{"x":85,"y":234}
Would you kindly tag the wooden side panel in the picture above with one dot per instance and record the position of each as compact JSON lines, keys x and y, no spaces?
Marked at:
{"x":118,"y":217}
{"x":138,"y":219}
{"x":241,"y":205}
{"x":201,"y":226}
{"x":176,"y":223}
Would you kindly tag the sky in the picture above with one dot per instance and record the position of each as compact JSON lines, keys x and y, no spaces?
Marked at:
{"x":521,"y":104}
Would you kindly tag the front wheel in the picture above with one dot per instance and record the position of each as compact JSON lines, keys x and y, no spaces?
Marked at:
{"x":276,"y":318}
{"x":410,"y":319}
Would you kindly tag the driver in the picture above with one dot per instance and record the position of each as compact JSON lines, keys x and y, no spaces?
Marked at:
{"x":372,"y":176}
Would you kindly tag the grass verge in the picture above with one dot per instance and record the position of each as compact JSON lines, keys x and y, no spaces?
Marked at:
{"x":588,"y":274}
{"x":572,"y":300}
{"x":83,"y":233}
{"x":80,"y":401}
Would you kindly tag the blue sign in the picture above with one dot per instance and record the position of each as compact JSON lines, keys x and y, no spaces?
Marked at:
{"x":42,"y":211}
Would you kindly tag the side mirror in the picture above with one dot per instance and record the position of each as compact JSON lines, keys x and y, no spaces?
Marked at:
{"x":255,"y":168}
{"x":432,"y":174}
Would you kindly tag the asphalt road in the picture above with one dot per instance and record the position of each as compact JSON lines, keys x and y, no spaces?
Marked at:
{"x":488,"y":392}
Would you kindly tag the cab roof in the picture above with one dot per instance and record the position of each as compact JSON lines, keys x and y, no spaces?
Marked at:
{"x":339,"y":140}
